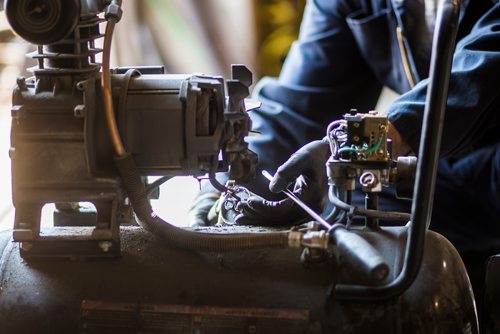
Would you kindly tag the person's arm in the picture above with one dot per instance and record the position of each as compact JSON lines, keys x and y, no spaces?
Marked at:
{"x":474,"y":93}
{"x":324,"y":77}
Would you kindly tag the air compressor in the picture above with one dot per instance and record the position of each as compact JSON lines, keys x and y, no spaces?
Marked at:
{"x":82,"y":131}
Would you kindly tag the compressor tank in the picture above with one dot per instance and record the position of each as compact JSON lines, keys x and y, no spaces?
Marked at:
{"x":160,"y":289}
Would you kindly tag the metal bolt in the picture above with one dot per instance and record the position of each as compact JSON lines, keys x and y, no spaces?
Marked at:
{"x":79,"y":111}
{"x":105,"y":246}
{"x":355,"y":124}
{"x":355,"y":138}
{"x":81,"y":85}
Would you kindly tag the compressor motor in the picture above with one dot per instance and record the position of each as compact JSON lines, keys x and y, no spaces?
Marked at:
{"x":61,"y":150}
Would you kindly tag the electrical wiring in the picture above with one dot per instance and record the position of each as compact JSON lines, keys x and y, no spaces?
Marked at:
{"x":347,"y":149}
{"x":333,"y":124}
{"x":337,"y":136}
{"x":375,"y":147}
{"x":335,"y":132}
{"x":336,"y":215}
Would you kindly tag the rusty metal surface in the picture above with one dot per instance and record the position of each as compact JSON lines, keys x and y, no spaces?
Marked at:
{"x":154,"y":284}
{"x":46,"y":296}
{"x":96,"y":315}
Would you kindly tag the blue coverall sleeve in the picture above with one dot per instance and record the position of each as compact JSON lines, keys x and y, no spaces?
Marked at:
{"x":323,"y":77}
{"x":474,"y":94}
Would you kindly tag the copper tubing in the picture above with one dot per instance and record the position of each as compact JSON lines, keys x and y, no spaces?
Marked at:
{"x":106,"y":88}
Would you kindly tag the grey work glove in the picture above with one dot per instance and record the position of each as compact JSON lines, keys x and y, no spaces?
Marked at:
{"x":307,"y":168}
{"x":200,"y":212}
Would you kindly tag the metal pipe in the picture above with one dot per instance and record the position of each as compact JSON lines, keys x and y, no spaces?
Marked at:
{"x":437,"y":93}
{"x":371,"y":203}
{"x":355,"y":211}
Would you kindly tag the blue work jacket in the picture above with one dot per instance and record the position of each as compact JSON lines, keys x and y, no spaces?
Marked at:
{"x":347,"y":51}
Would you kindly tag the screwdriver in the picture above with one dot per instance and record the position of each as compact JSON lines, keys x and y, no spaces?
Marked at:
{"x":361,"y":256}
{"x":300,"y":203}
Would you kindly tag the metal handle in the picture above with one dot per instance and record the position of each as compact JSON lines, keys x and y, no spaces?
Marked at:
{"x":437,"y":94}
{"x":361,"y":257}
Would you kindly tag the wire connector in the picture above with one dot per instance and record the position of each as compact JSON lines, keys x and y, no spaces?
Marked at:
{"x":113,"y":11}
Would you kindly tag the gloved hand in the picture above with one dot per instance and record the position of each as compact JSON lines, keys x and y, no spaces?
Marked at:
{"x":307,"y":167}
{"x":198,"y":214}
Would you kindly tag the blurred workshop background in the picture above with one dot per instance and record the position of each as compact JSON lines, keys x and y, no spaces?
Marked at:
{"x":187,"y":36}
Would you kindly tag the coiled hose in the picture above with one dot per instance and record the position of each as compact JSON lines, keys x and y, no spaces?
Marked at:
{"x":208,"y":242}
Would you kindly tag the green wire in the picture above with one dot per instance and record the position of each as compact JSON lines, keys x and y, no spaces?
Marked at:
{"x":375,"y":147}
{"x":347,"y":149}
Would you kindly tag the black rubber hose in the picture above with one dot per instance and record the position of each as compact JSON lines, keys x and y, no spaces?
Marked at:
{"x":205,"y":242}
